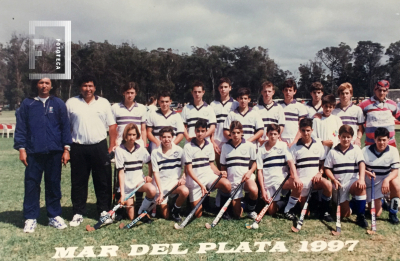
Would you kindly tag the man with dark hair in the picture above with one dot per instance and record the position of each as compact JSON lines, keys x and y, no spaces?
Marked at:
{"x":43,"y":139}
{"x":315,"y":104}
{"x":89,"y":116}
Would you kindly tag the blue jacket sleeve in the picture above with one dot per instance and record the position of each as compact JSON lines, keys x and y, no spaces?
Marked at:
{"x":64,"y":125}
{"x":21,"y":131}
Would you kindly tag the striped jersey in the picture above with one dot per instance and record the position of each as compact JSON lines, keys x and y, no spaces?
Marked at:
{"x":251,"y":122}
{"x":270,"y":114}
{"x":311,"y":110}
{"x":274,"y":163}
{"x":307,"y":158}
{"x":352,"y":116}
{"x":381,"y":163}
{"x":123,"y":116}
{"x":327,"y":128}
{"x":221,"y":111}
{"x":169,"y":165}
{"x":379,"y":114}
{"x":344,"y":165}
{"x":293,"y":112}
{"x":199,"y":157}
{"x":191,"y":114}
{"x":157,"y":120}
{"x":237,"y":159}
{"x":131,"y":163}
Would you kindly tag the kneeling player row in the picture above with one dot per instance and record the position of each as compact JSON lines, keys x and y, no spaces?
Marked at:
{"x":341,"y":171}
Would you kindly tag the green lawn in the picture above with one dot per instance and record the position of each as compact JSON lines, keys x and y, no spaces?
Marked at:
{"x":16,"y":245}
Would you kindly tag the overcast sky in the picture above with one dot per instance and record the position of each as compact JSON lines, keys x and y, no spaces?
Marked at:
{"x":293,"y":31}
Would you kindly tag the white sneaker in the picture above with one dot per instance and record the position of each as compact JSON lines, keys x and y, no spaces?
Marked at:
{"x":252,"y":214}
{"x":109,"y":220}
{"x":57,"y":222}
{"x":30,"y":225}
{"x":76,"y":220}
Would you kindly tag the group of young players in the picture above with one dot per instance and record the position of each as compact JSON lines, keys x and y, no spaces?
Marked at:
{"x":317,"y":145}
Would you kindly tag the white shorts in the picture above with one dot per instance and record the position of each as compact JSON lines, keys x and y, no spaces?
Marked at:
{"x":306,"y":180}
{"x":207,"y":179}
{"x":165,"y":188}
{"x":132,"y":185}
{"x":377,"y":188}
{"x":344,"y":192}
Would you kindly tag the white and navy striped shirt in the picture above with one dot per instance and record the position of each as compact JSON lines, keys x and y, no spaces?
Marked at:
{"x":221,"y":111}
{"x":293,"y":112}
{"x":168,"y":166}
{"x":274,"y":163}
{"x":381,"y":163}
{"x":311,"y":110}
{"x":251,"y":122}
{"x":352,"y":116}
{"x":191,"y":114}
{"x":123,"y":116}
{"x":237,"y":160}
{"x":270,"y":114}
{"x":157,"y":120}
{"x":344,"y":165}
{"x":307,"y":158}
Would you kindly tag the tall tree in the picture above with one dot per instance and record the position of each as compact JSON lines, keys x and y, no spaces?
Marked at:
{"x":394,"y":64}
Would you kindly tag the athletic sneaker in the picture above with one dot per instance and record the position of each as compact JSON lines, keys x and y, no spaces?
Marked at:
{"x":226,"y":216}
{"x":252,"y":215}
{"x":393,"y":219}
{"x":57,"y":222}
{"x":385,"y":205}
{"x":76,"y":220}
{"x":361,"y":221}
{"x":290,"y":215}
{"x":30,"y":225}
{"x":109,"y":220}
{"x":326,"y":217}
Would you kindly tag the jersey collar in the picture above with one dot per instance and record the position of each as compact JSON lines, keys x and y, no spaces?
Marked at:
{"x":266,"y":105}
{"x":173,"y":149}
{"x":237,"y":111}
{"x":228,"y":101}
{"x":309,"y":103}
{"x":122,"y":105}
{"x":95,"y":97}
{"x":241,"y":142}
{"x":345,"y":109}
{"x":337,"y":148}
{"x":204,"y":105}
{"x":193,"y":141}
{"x":377,"y":101}
{"x":135,"y":148}
{"x":292,"y":102}
{"x":166,"y":117}
{"x":300,"y":143}
{"x":372,"y":148}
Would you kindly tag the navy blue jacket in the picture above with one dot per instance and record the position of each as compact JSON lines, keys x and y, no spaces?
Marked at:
{"x":42,"y":129}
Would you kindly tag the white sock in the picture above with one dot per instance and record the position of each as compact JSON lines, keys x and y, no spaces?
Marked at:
{"x":146,"y":204}
{"x":291,"y":203}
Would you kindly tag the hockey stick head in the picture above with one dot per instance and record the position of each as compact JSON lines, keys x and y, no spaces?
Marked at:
{"x":254,"y":225}
{"x":336,"y":233}
{"x":295,"y":230}
{"x":177,"y":226}
{"x":371,"y":232}
{"x":208,"y":226}
{"x":121,"y":226}
{"x":89,"y":228}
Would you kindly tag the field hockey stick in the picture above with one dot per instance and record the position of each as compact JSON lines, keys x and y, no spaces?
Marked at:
{"x":145,"y":213}
{"x":225,"y":207}
{"x":303,"y":213}
{"x":373,"y":212}
{"x":115,"y":186}
{"x":338,"y":224}
{"x":191,"y":214}
{"x":266,"y":207}
{"x":112,"y":211}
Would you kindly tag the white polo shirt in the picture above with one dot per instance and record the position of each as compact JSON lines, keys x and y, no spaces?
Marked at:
{"x":293,"y":112}
{"x":168,"y":166}
{"x":123,"y":116}
{"x":157,"y":120}
{"x":191,"y":114}
{"x":270,"y":114}
{"x":327,"y":128}
{"x":251,"y":122}
{"x":221,"y":111}
{"x":381,"y":163}
{"x":274,"y":163}
{"x":344,"y":166}
{"x":200,"y":158}
{"x":89,"y":122}
{"x":352,"y":115}
{"x":311,"y":110}
{"x":237,"y":160}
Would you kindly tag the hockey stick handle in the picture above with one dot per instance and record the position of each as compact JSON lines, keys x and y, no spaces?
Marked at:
{"x":189,"y":217}
{"x":338,"y":224}
{"x":304,"y":210}
{"x":373,"y":211}
{"x":226,"y":205}
{"x":265,"y":208}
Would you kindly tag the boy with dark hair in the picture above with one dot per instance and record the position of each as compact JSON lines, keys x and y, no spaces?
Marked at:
{"x":383,"y":164}
{"x":315,"y":104}
{"x":326,"y":128}
{"x":253,"y":126}
{"x":201,"y":172}
{"x":294,"y":112}
{"x":345,"y":167}
{"x":309,"y":155}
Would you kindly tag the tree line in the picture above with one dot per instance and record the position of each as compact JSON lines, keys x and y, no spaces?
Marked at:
{"x":167,"y":69}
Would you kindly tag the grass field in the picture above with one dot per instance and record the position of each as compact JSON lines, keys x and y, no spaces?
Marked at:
{"x":15,"y":245}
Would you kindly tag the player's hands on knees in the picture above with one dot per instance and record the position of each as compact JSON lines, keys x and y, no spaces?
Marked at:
{"x":297,"y":182}
{"x":360,"y":184}
{"x":336,"y":183}
{"x":246,"y":176}
{"x":216,"y":148}
{"x":22,"y":157}
{"x":159,"y":200}
{"x":121,"y":200}
{"x":262,"y":141}
{"x":223,"y":173}
{"x":327,"y":143}
{"x":264,"y":196}
{"x":317,"y":178}
{"x":203,"y":190}
{"x":385,"y":186}
{"x":147,"y":179}
{"x":370,"y":174}
{"x":181,"y":182}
